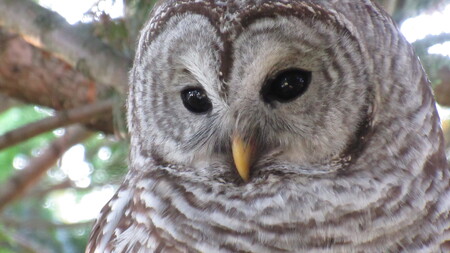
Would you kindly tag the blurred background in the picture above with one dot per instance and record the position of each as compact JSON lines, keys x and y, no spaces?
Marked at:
{"x":63,"y":76}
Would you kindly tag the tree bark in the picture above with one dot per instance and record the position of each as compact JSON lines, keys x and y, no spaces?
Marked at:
{"x":34,"y":76}
{"x":48,"y":30}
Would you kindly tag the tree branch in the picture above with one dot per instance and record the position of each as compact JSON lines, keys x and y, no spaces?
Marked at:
{"x":42,"y":225}
{"x":404,"y":9}
{"x":40,"y":193}
{"x":64,"y":185}
{"x":48,"y":30}
{"x":27,"y":177}
{"x":27,"y":245}
{"x":431,"y":40}
{"x":61,"y":119}
{"x":33,"y":76}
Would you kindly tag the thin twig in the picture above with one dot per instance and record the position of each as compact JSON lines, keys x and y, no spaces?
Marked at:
{"x":40,"y":193}
{"x":431,"y":40}
{"x":29,"y":245}
{"x":61,"y":119}
{"x":20,"y":243}
{"x":24,"y":179}
{"x":64,"y":185}
{"x":39,"y":224}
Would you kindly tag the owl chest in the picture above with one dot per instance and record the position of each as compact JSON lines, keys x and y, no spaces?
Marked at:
{"x":180,"y":224}
{"x":279,"y":223}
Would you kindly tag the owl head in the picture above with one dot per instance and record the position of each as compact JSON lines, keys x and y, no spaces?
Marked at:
{"x":278,"y":126}
{"x":249,"y":90}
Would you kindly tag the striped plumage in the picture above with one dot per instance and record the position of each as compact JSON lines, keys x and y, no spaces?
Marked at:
{"x":355,"y":164}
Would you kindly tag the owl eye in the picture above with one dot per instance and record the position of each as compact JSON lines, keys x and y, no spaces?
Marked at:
{"x":286,"y":86}
{"x":196,"y":100}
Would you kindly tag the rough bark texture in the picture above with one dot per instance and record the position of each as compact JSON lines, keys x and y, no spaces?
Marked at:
{"x":35,"y":76}
{"x":48,"y":30}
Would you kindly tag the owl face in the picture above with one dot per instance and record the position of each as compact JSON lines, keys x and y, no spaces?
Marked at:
{"x":278,"y":126}
{"x":284,"y":90}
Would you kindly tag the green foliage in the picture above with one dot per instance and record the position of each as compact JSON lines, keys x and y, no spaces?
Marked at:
{"x":19,"y":116}
{"x":136,"y":13}
{"x":108,"y":159}
{"x":432,"y":63}
{"x":111,"y":169}
{"x":5,"y":250}
{"x":6,"y":242}
{"x":121,"y":33}
{"x":16,"y":117}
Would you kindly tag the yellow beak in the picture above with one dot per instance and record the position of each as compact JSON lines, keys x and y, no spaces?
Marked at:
{"x":242,"y":155}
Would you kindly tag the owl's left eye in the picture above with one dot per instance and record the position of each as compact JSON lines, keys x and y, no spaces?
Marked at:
{"x":196,"y":100}
{"x":286,"y":86}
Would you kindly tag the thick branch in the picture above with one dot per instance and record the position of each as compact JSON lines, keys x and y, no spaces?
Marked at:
{"x":50,"y":31}
{"x":64,"y":118}
{"x":34,"y":76}
{"x":26,"y":178}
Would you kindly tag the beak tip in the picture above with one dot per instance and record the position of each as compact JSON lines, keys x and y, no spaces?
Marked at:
{"x":242,"y":153}
{"x":244,"y":177}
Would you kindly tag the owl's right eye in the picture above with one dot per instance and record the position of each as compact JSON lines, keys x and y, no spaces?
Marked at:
{"x":196,"y":100}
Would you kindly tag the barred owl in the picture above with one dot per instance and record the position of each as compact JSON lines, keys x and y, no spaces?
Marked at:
{"x":278,"y":126}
